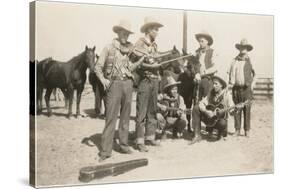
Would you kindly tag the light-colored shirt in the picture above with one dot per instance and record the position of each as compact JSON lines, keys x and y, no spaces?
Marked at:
{"x":226,"y":100}
{"x":203,"y":69}
{"x":237,"y":73}
{"x":112,"y":62}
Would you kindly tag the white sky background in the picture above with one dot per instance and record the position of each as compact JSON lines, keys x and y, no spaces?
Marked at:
{"x":63,"y":30}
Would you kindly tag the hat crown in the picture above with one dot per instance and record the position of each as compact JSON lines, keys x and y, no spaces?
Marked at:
{"x":244,"y":41}
{"x":171,"y":80}
{"x":125,"y":24}
{"x":150,"y":19}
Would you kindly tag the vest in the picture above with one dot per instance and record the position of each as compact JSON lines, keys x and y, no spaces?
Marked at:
{"x":172,"y":103}
{"x":248,"y":71}
{"x":115,"y":57}
{"x":208,"y":57}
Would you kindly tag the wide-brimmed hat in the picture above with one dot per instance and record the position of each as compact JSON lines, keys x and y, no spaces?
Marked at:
{"x":123,"y":25}
{"x":220,"y":79}
{"x":205,"y":35}
{"x":170,"y":82}
{"x":149,"y":22}
{"x":244,"y":44}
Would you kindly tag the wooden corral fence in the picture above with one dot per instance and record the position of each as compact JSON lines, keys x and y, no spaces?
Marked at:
{"x":263,"y":88}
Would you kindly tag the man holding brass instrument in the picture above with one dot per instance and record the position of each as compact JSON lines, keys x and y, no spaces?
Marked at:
{"x":114,"y":70}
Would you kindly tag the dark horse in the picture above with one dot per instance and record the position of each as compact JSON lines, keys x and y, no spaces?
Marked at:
{"x":68,"y":76}
{"x":40,"y":66}
{"x":98,"y":90}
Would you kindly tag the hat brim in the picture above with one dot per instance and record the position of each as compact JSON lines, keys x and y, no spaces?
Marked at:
{"x":117,"y":29}
{"x":247,"y":46}
{"x":206,"y":36}
{"x":166,"y":87}
{"x":220,"y":80}
{"x":148,"y":25}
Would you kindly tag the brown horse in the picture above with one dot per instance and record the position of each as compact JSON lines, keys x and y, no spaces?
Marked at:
{"x":68,"y":76}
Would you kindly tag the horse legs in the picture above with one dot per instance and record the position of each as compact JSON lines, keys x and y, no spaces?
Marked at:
{"x":66,"y":101}
{"x":39,"y":99}
{"x":70,"y":97}
{"x":47,"y":99}
{"x":78,"y":99}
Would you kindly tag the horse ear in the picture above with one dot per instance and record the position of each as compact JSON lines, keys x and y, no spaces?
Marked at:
{"x":174,"y":48}
{"x":94,"y":48}
{"x":97,"y":56}
{"x":86,"y":48}
{"x":184,"y":52}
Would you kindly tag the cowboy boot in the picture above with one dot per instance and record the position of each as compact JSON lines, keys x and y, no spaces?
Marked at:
{"x":237,"y":133}
{"x":142,"y":148}
{"x":196,"y":139}
{"x":247,"y":134}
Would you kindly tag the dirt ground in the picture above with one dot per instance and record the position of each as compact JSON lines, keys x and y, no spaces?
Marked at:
{"x":65,"y":146}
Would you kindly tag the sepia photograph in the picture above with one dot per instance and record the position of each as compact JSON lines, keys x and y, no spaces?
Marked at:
{"x":128,"y":94}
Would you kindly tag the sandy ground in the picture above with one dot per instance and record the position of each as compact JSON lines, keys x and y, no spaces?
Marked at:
{"x":65,"y":146}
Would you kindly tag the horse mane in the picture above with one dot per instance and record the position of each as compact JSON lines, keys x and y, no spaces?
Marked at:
{"x":74,"y":61}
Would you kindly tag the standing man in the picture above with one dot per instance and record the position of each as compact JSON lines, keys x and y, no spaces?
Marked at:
{"x":207,"y":58}
{"x":148,"y":85}
{"x":241,"y":77}
{"x":113,"y":70}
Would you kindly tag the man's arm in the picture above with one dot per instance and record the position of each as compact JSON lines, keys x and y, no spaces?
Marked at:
{"x":99,"y":68}
{"x":202,"y":107}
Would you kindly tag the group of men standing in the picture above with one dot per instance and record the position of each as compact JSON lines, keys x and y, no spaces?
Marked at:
{"x":115,"y":69}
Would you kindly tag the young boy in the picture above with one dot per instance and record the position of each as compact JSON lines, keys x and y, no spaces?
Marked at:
{"x":241,"y":77}
{"x":171,"y":107}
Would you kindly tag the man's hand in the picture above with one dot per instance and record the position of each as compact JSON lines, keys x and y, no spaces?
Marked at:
{"x":209,"y":114}
{"x":105,"y":83}
{"x":163,"y":108}
{"x":197,"y":77}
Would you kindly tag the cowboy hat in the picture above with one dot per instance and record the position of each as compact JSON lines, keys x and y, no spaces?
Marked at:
{"x":219,"y":78}
{"x":149,"y":22}
{"x":123,"y":25}
{"x":170,"y":82}
{"x":244,"y":44}
{"x":205,"y":35}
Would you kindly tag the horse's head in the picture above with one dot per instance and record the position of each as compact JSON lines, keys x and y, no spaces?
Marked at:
{"x":191,"y":66}
{"x":90,"y":56}
{"x":174,"y":66}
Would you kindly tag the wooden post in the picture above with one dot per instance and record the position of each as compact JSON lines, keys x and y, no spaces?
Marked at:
{"x":184,"y":47}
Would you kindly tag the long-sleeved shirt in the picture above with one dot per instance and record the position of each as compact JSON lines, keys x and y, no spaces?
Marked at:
{"x":150,"y":48}
{"x":164,"y":100}
{"x":207,"y":58}
{"x":112,"y":63}
{"x":213,"y":98}
{"x":241,"y":72}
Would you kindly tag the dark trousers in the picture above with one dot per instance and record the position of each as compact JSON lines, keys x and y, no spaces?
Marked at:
{"x":176,"y":124}
{"x":118,"y":97}
{"x":241,"y":94}
{"x":221,"y":125}
{"x":146,"y":121}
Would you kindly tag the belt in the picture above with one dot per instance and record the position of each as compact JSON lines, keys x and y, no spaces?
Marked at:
{"x":120,"y":78}
{"x":240,"y":86}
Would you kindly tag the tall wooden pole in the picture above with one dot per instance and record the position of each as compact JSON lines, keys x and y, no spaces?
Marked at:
{"x":184,"y":46}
